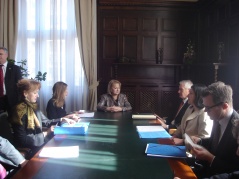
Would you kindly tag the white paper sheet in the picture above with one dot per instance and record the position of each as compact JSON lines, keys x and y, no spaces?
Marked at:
{"x":149,"y":128}
{"x":89,"y":114}
{"x":60,"y":152}
{"x":189,"y":141}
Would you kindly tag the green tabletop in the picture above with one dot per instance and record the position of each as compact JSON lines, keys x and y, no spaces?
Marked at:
{"x":111,"y":149}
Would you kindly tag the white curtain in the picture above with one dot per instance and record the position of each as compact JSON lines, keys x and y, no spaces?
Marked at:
{"x":86,"y":30}
{"x":8,"y":25}
{"x":47,"y":39}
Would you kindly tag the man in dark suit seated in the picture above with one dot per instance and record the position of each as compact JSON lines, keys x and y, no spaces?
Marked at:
{"x":183,"y":91}
{"x":8,"y":82}
{"x":218,"y":154}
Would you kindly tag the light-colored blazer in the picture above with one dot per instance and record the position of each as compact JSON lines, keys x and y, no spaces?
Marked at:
{"x":194,"y":123}
{"x":8,"y":153}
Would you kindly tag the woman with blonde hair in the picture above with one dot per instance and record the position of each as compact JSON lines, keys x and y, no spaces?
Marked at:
{"x":27,"y":120}
{"x":114,"y":101}
{"x":56,"y":107}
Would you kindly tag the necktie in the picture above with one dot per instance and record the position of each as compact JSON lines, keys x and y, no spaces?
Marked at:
{"x":216,"y":138}
{"x":179,"y":108}
{"x":1,"y":81}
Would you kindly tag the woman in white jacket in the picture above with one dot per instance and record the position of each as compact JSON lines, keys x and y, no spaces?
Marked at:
{"x":195,"y":121}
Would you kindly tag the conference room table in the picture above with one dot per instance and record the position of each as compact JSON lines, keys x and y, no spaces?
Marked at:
{"x":112,"y":148}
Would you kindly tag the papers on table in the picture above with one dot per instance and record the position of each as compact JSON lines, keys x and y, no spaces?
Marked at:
{"x":143,"y":116}
{"x":60,"y":152}
{"x":87,"y":114}
{"x":152,"y":132}
{"x":190,"y":142}
{"x":168,"y":151}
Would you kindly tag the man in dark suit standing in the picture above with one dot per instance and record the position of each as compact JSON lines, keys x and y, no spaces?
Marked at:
{"x":218,"y":154}
{"x":11,"y":74}
{"x":183,"y":91}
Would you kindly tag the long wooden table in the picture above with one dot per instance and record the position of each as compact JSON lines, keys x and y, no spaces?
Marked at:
{"x":111,"y":149}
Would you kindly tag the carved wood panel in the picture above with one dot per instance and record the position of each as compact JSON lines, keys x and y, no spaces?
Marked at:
{"x":169,"y":101}
{"x":149,"y":101}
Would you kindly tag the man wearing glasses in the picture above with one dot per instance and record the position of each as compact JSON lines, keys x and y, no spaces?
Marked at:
{"x":218,"y":154}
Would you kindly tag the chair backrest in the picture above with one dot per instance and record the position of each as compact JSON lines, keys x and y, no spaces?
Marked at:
{"x":5,"y":129}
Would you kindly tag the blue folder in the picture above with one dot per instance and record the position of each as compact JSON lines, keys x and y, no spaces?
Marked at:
{"x":154,"y":134}
{"x":168,"y":151}
{"x":80,"y":128}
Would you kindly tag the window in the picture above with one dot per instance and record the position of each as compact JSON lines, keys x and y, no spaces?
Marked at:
{"x":47,"y":38}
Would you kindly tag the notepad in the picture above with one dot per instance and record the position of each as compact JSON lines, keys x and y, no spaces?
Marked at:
{"x":167,"y":151}
{"x":143,"y":116}
{"x":60,"y":152}
{"x":152,"y":132}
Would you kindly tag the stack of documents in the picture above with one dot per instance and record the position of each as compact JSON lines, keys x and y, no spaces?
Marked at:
{"x":168,"y":151}
{"x":152,"y":132}
{"x":143,"y":116}
{"x":60,"y":152}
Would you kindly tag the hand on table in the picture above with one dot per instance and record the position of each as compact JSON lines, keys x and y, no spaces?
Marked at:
{"x":74,"y":117}
{"x":114,"y":109}
{"x":49,"y":131}
{"x":69,"y":121}
{"x":161,"y":122}
{"x":177,"y":141}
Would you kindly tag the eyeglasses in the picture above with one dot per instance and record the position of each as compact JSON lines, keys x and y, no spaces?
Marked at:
{"x":208,"y":108}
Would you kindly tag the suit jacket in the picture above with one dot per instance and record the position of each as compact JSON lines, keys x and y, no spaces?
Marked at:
{"x":8,"y":154}
{"x":194,"y":123}
{"x":225,"y":160}
{"x":12,"y":76}
{"x":107,"y":100}
{"x":178,"y":117}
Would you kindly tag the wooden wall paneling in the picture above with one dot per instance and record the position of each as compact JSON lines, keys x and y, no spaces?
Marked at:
{"x":137,"y":32}
{"x":149,"y":39}
{"x":169,"y":100}
{"x":131,"y":92}
{"x":149,"y":99}
{"x":170,"y":52}
{"x":169,"y":40}
{"x":149,"y":3}
{"x":130,"y":47}
{"x":219,"y":21}
{"x":147,"y":73}
{"x":110,"y":42}
{"x":149,"y":49}
{"x":233,"y":43}
{"x":233,"y":8}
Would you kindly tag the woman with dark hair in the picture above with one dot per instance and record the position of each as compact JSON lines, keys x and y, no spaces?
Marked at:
{"x":27,"y":120}
{"x":114,"y":101}
{"x":195,"y":121}
{"x":56,"y":107}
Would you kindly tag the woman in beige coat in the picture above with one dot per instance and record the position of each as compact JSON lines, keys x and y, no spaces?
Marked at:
{"x":195,"y":121}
